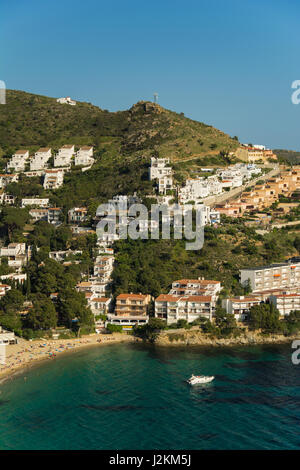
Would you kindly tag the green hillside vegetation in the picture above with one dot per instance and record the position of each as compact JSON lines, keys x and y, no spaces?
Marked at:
{"x":123,"y":143}
{"x":288,"y":156}
{"x":150,"y":266}
{"x":31,"y":121}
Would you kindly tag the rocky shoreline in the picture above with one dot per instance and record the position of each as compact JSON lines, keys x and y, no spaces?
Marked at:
{"x":195,"y":337}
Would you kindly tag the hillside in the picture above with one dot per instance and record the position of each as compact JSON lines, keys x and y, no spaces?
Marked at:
{"x":31,"y":121}
{"x":123,"y":143}
{"x":288,"y":156}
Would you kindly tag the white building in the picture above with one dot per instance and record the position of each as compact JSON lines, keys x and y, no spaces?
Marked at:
{"x":13,"y":250}
{"x":18,"y":161}
{"x":240,"y":306}
{"x":84,"y":156}
{"x":66,"y":100}
{"x":40,"y":159}
{"x":16,"y":254}
{"x":39,"y":214}
{"x":286,"y":303}
{"x":7,"y":199}
{"x":196,"y":287}
{"x":7,"y":337}
{"x":64,"y":156}
{"x":273,"y":276}
{"x":4,"y":288}
{"x":19,"y":278}
{"x":195,"y":190}
{"x":53,"y":179}
{"x":6,"y":179}
{"x":103,"y":268}
{"x":163,"y":173}
{"x":172,"y":308}
{"x":35,"y":201}
{"x":62,"y":255}
{"x":78,"y":214}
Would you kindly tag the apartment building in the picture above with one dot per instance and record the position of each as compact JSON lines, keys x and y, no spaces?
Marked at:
{"x":7,"y":199}
{"x":18,"y":161}
{"x":7,"y":337}
{"x":196,"y":287}
{"x":171,"y":307}
{"x":197,"y":189}
{"x":103,"y":267}
{"x":6,"y":179}
{"x":240,"y":306}
{"x":54,"y":215}
{"x":255,"y":154}
{"x":13,"y":249}
{"x":35,"y":201}
{"x":77,"y":214}
{"x":39,"y":214}
{"x":163,"y":173}
{"x":53,"y":179}
{"x":93,"y":287}
{"x":159,"y":168}
{"x":64,"y":156}
{"x":99,"y":305}
{"x":84,"y":156}
{"x":273,"y":276}
{"x":40,"y":159}
{"x":286,"y":303}
{"x":132,"y":304}
{"x":16,"y":254}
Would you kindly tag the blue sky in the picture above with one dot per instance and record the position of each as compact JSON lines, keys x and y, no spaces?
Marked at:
{"x":229,"y":63}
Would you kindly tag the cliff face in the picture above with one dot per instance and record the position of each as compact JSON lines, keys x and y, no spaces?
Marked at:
{"x":194,"y":337}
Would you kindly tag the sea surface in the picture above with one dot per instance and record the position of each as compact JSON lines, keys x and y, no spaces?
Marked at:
{"x":135,"y":397}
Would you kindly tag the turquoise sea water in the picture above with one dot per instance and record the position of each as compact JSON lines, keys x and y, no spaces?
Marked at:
{"x":135,"y":397}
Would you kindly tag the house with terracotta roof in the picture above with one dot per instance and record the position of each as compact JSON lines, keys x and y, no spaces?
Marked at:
{"x":53,"y":179}
{"x":195,"y":287}
{"x":77,"y":214}
{"x":172,"y":307}
{"x":132,"y":304}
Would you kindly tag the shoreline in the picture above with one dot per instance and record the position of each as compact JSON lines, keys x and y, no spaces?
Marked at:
{"x":194,"y":337}
{"x":26,"y":354}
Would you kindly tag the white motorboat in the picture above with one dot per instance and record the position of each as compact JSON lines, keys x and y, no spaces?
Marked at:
{"x":200,"y":379}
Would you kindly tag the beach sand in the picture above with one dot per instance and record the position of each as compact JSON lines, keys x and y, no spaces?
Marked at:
{"x":26,"y":353}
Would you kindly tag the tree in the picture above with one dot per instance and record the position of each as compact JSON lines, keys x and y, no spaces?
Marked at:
{"x":151,"y":330}
{"x":114,"y":328}
{"x":43,"y":315}
{"x":12,"y":220}
{"x":72,"y":305}
{"x":225,"y":322}
{"x":297,"y":244}
{"x":12,"y":301}
{"x":265,"y":317}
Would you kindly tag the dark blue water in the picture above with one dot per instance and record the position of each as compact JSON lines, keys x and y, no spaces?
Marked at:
{"x":134,"y":397}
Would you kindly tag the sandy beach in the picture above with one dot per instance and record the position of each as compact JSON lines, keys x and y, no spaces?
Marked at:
{"x":26,"y":353}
